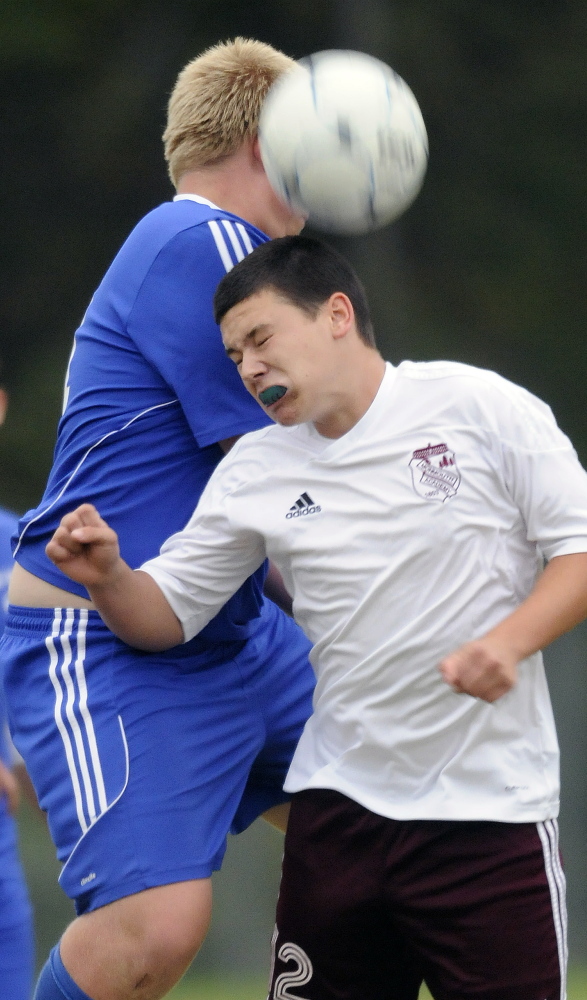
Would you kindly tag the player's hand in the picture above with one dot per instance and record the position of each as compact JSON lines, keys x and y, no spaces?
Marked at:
{"x":484,"y":669}
{"x":9,"y":788}
{"x":85,"y":548}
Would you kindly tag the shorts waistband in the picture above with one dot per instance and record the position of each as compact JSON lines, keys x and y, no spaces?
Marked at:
{"x":39,"y":621}
{"x":26,"y":619}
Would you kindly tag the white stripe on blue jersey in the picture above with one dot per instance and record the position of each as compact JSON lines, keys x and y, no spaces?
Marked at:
{"x":221,"y":245}
{"x":117,"y":430}
{"x":238,"y":250}
{"x":245,"y":237}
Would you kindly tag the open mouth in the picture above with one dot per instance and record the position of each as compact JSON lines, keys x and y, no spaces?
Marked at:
{"x":272,"y":394}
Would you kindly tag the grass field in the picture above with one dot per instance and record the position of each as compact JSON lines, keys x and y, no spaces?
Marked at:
{"x":256,"y":989}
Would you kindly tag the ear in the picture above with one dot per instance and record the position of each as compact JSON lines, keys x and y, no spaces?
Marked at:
{"x":341,"y":314}
{"x":255,"y":160}
{"x":256,"y":152}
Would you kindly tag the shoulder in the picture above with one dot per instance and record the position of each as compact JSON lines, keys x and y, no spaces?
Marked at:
{"x":467,"y":382}
{"x":188,"y":213}
{"x":481,"y":395}
{"x":231,"y":233}
{"x":439,"y":371}
{"x":256,"y":456}
{"x":200,"y":226}
{"x":264,"y":449}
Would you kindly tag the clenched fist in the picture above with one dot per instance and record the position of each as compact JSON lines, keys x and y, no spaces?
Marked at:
{"x":85,"y":548}
{"x":483,"y":668}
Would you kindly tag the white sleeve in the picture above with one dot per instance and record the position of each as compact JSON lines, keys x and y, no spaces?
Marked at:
{"x":201,"y":567}
{"x":543,"y":475}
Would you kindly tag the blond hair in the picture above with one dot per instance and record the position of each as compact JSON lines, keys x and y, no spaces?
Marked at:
{"x":216,"y":102}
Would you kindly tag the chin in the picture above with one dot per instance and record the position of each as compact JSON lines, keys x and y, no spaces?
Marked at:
{"x":296,"y":226}
{"x":287,"y":419}
{"x":290,"y":227}
{"x":289,"y":224}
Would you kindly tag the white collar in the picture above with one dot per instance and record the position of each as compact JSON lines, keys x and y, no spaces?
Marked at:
{"x":198,"y":198}
{"x":335,"y":445}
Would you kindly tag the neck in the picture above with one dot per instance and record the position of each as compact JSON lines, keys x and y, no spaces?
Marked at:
{"x":221,"y":184}
{"x":351,"y":404}
{"x":238,"y":184}
{"x":235,"y":184}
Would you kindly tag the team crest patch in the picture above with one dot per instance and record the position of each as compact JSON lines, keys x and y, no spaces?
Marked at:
{"x":435,"y":475}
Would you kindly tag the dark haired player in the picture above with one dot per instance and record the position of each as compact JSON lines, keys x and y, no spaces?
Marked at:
{"x":445,"y":545}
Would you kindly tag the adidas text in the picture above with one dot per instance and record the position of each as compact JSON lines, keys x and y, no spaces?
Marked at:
{"x":303,"y":511}
{"x":303,"y":505}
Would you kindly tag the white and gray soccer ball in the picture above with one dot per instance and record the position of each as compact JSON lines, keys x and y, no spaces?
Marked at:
{"x":343,"y":140}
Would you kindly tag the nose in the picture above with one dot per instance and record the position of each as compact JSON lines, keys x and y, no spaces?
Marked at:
{"x":251,"y":367}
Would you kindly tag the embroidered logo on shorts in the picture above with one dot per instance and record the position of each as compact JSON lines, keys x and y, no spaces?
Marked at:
{"x":88,"y":878}
{"x":435,"y":475}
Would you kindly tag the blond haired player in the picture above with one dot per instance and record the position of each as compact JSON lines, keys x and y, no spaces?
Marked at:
{"x":439,"y":542}
{"x":144,"y":763}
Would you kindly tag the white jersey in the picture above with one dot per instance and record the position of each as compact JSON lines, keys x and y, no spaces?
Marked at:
{"x":418,"y":530}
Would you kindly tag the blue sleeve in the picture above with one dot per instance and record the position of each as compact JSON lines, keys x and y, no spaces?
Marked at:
{"x":172,"y":324}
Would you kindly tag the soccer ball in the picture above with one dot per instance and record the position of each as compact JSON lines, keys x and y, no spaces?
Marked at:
{"x":343,"y":140}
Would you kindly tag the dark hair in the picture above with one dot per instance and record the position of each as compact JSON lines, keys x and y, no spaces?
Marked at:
{"x":304,"y":270}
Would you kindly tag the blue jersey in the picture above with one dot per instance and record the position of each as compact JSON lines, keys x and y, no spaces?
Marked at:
{"x":149,"y":393}
{"x":8,"y":524}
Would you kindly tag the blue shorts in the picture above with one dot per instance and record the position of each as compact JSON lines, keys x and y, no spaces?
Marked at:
{"x":16,"y":939}
{"x":16,"y":918}
{"x":145,"y":761}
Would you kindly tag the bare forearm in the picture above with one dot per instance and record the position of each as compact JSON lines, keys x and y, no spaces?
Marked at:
{"x":557,"y":603}
{"x":86,"y":549}
{"x":134,"y":608}
{"x":487,"y":667}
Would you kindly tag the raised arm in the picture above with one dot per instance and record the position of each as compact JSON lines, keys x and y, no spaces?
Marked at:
{"x":487,"y":667}
{"x":131,"y":604}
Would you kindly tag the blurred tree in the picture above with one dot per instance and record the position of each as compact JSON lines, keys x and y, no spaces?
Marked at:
{"x":493,"y":250}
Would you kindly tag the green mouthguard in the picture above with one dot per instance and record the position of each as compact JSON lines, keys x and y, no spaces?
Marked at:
{"x":272,"y":394}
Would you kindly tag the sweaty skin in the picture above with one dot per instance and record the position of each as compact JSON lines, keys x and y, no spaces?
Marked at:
{"x":272,"y":394}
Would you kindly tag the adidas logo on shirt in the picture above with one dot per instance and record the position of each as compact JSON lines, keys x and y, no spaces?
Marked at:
{"x":304,"y":505}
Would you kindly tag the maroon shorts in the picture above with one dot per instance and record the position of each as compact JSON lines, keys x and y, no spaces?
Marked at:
{"x":369,"y":908}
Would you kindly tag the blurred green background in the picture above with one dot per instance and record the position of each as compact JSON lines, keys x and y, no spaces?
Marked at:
{"x":487,"y":267}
